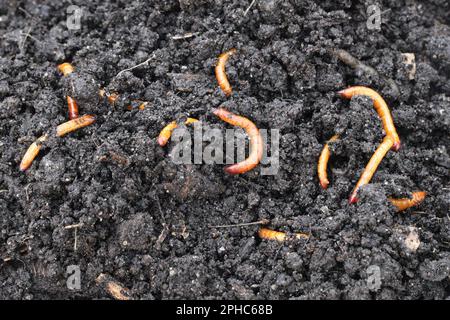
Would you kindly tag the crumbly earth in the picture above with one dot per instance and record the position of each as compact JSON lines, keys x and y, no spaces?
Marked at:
{"x":149,"y":224}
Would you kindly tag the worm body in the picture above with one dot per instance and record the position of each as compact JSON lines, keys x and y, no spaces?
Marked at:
{"x":65,"y":68}
{"x":405,"y":203}
{"x":256,"y":141}
{"x":323,"y":162}
{"x":279,"y":236}
{"x":115,"y":289}
{"x":221,"y":76}
{"x":74,"y":124}
{"x":372,"y":166}
{"x":72,"y":107}
{"x":166,"y":132}
{"x":380,"y":106}
{"x":112,"y":98}
{"x":32,"y":153}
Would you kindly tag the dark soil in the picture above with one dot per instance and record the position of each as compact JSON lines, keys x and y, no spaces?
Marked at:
{"x":146,"y":221}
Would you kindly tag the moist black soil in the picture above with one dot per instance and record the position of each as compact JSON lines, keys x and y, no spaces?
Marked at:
{"x":149,"y":224}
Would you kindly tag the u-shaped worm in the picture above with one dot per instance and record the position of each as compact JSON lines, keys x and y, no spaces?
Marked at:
{"x":256,"y":141}
{"x":380,"y":106}
{"x":166,"y":132}
{"x":405,"y":203}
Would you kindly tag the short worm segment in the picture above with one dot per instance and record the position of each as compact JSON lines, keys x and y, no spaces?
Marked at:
{"x":65,"y":68}
{"x":72,"y":107}
{"x":256,"y":141}
{"x":405,"y":203}
{"x":372,"y":166}
{"x":323,"y":162}
{"x":221,"y":76}
{"x":166,"y":132}
{"x":279,"y":236}
{"x":74,"y":124}
{"x":32,"y":153}
{"x":380,"y":106}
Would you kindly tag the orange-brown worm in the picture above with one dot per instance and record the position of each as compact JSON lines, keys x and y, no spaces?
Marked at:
{"x":405,"y":203}
{"x":32,"y":152}
{"x":372,"y":166}
{"x":166,"y":132}
{"x":279,"y":236}
{"x":256,"y":141}
{"x":74,"y":124}
{"x":323,"y":162}
{"x":65,"y":68}
{"x":221,"y":76}
{"x":73,"y":108}
{"x":380,"y":106}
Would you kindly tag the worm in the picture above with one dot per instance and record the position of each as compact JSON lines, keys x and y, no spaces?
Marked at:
{"x":405,"y":203}
{"x":221,"y":76}
{"x":32,"y":152}
{"x":112,"y":98}
{"x":74,"y":124}
{"x":256,"y":141}
{"x":323,"y":162}
{"x":380,"y":106}
{"x":73,"y":108}
{"x":115,"y":289}
{"x":279,"y":236}
{"x":65,"y":68}
{"x":356,"y":64}
{"x":166,"y":132}
{"x":140,"y":107}
{"x":372,"y":166}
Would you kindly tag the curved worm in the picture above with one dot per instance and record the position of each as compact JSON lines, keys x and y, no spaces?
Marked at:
{"x":256,"y":141}
{"x":74,"y":124}
{"x":220,"y":72}
{"x":65,"y":68}
{"x":112,"y":98}
{"x":166,"y":132}
{"x":32,"y":152}
{"x":279,"y":236}
{"x":380,"y":106}
{"x":405,"y":203}
{"x":323,"y":162}
{"x":372,"y":166}
{"x":73,"y":108}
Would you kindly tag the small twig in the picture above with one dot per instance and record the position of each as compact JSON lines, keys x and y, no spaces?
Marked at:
{"x":263,"y":221}
{"x":249,"y":7}
{"x":5,"y":190}
{"x":26,"y":12}
{"x":136,"y":66}
{"x":75,"y":233}
{"x":22,"y":44}
{"x":26,"y":191}
{"x":75,"y":241}
{"x":72,"y":226}
{"x":184,"y":36}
